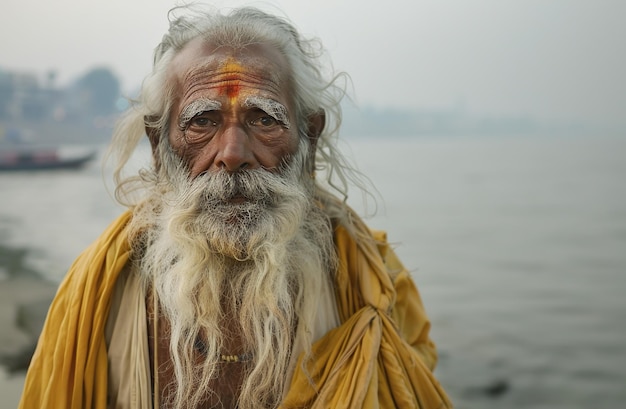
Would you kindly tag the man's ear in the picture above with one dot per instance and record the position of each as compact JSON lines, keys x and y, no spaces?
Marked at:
{"x":153,"y":137}
{"x":316,"y":121}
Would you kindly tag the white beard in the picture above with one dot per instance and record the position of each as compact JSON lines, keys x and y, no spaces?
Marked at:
{"x":266,"y":260}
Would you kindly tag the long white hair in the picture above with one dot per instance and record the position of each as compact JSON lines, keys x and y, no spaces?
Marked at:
{"x":316,"y":88}
{"x":265,"y":270}
{"x":266,"y":286}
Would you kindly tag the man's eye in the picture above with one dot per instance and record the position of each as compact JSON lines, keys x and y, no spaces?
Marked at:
{"x":202,"y":120}
{"x":201,"y":127}
{"x":265,"y":121}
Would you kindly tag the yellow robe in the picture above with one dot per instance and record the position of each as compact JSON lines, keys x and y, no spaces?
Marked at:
{"x":380,"y":357}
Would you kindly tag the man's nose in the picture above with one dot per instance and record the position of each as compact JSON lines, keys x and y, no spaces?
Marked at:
{"x":235,"y":151}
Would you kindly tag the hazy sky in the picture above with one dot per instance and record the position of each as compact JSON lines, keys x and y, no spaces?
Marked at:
{"x":543,"y":58}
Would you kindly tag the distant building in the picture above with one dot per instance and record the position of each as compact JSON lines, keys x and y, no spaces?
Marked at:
{"x":34,"y":109}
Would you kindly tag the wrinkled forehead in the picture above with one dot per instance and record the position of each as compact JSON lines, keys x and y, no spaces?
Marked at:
{"x":259,"y":59}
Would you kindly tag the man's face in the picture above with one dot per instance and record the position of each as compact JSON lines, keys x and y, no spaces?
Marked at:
{"x":232,"y":109}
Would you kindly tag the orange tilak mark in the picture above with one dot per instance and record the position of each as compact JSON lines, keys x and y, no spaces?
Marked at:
{"x":231,"y":87}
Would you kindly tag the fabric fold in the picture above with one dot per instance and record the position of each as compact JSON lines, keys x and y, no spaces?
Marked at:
{"x":379,"y":357}
{"x":365,"y":363}
{"x":69,"y":367}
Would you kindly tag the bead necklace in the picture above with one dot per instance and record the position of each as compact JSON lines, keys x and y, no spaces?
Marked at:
{"x":237,"y":358}
{"x":201,"y":347}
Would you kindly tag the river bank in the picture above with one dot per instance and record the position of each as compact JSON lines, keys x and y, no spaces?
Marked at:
{"x":24,"y":299}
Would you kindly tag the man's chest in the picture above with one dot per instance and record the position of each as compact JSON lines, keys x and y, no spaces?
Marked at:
{"x":220,"y":390}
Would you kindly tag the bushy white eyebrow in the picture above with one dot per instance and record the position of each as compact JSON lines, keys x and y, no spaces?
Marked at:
{"x":273,"y":108}
{"x":197,"y":107}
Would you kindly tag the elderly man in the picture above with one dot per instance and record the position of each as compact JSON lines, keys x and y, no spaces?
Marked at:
{"x":235,"y":279}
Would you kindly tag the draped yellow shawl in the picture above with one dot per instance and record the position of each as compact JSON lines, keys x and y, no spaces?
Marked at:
{"x":380,"y":357}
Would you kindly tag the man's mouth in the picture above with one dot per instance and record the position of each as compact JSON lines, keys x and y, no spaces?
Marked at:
{"x":237,"y":199}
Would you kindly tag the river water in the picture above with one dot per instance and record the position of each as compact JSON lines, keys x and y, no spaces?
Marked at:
{"x":518,"y":247}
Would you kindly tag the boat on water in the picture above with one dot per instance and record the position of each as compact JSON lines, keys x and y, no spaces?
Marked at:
{"x":29,"y":159}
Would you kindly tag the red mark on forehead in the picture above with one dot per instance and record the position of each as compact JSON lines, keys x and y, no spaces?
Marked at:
{"x":232,"y":84}
{"x":230,"y":89}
